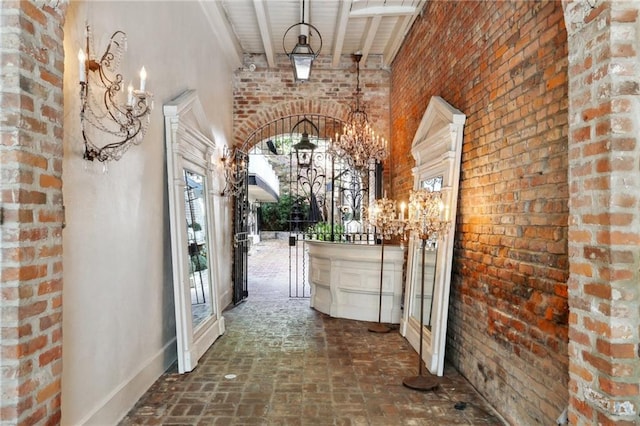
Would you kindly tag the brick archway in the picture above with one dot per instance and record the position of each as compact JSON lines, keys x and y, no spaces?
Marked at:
{"x":245,"y":127}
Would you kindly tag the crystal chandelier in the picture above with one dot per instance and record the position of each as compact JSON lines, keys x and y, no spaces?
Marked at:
{"x":359,"y":143}
{"x":427,"y":214}
{"x":107,"y":114}
{"x":383,"y":215}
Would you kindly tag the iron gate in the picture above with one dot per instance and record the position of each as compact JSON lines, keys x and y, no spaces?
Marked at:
{"x":328,"y":196}
{"x":240,"y":229}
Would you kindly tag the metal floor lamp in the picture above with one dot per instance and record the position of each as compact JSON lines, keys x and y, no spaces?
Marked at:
{"x":426,"y":219}
{"x":383,"y":216}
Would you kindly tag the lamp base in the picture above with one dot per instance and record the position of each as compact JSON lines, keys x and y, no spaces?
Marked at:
{"x":422,"y":383}
{"x":378,"y":327}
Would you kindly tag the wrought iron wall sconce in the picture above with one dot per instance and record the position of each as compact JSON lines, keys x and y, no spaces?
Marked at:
{"x":302,"y":55}
{"x":235,"y":166}
{"x":106,"y":112}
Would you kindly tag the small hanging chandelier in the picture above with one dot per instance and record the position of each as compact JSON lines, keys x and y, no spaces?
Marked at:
{"x":359,"y":143}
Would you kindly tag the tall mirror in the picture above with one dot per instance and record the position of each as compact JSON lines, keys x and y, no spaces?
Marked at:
{"x":190,"y":179}
{"x":437,"y":149}
{"x":428,"y":268}
{"x":198,"y":247}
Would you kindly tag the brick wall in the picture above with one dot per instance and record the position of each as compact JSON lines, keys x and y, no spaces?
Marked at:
{"x":503,"y":64}
{"x":32,"y":216}
{"x":604,"y":170}
{"x":264,"y":95}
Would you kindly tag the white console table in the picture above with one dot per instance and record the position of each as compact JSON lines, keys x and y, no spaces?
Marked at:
{"x":345,"y":280}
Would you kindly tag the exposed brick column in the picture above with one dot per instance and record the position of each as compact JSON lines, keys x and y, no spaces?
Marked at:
{"x":32,"y":215}
{"x":604,"y":236}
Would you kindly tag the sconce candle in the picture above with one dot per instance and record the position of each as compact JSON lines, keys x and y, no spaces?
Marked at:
{"x":234,"y":164}
{"x":130,"y":94}
{"x":82,"y":59}
{"x":143,"y":78}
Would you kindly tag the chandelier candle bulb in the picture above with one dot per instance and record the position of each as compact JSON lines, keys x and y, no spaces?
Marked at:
{"x":143,"y":78}
{"x":82,"y":66}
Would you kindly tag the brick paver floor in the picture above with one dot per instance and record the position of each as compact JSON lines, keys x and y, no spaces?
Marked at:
{"x":282,"y":363}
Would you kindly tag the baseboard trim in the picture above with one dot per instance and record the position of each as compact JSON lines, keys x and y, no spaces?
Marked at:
{"x":118,"y":403}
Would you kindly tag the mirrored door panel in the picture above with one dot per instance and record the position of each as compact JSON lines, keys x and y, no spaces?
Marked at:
{"x":429,"y":271}
{"x":201,"y":292}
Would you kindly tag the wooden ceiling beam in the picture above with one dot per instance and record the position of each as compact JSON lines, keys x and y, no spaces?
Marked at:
{"x":341,"y":30}
{"x":265,"y":31}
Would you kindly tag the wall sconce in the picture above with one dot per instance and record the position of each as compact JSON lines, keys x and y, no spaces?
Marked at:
{"x":105,"y":110}
{"x":302,"y":55}
{"x":235,"y":171}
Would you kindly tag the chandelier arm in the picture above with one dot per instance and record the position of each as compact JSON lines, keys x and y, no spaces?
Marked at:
{"x":110,"y":104}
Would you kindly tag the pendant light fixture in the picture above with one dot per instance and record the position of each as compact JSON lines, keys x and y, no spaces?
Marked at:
{"x":302,"y":55}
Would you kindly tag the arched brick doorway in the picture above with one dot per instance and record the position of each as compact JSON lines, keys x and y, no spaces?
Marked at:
{"x":313,"y":197}
{"x":247,"y":126}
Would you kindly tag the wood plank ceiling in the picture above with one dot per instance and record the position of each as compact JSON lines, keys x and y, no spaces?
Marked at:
{"x":372,"y":27}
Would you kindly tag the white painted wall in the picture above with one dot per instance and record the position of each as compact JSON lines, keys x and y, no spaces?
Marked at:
{"x":119,"y":325}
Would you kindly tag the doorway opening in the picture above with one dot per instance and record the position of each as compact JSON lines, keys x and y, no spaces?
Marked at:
{"x":296,"y":190}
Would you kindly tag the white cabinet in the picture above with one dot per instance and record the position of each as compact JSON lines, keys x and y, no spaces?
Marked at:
{"x":345,"y":280}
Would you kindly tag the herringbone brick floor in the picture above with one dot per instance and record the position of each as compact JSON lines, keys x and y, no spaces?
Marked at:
{"x":292,"y":365}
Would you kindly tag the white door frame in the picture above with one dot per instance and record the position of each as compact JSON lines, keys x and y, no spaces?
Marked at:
{"x":190,"y":146}
{"x":437,"y":149}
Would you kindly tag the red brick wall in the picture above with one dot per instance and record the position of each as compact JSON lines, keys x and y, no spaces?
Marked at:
{"x":503,"y":64}
{"x":604,"y":159}
{"x":32,"y":216}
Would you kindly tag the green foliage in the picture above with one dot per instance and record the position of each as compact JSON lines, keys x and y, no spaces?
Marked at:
{"x":276,"y":216}
{"x":283,"y":144}
{"x":198,"y":263}
{"x":322,"y":231}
